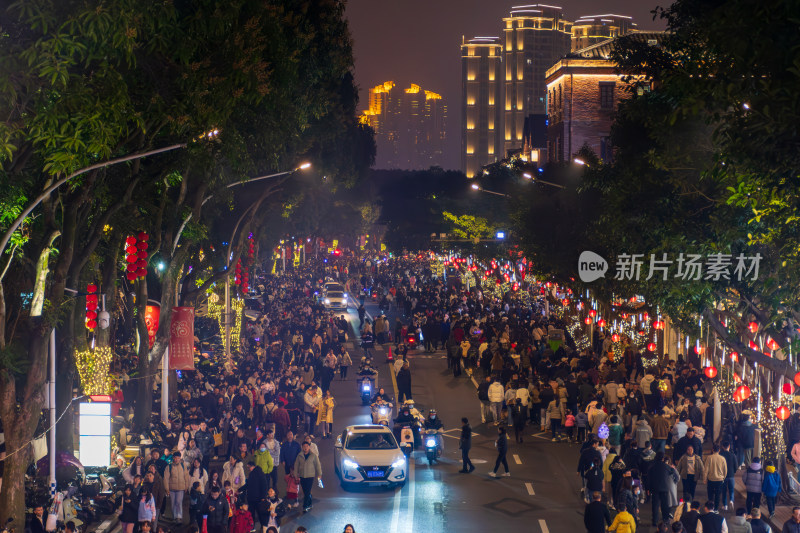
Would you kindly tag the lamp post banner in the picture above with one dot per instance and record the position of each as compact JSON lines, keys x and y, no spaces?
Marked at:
{"x":181,"y":339}
{"x":151,"y":316}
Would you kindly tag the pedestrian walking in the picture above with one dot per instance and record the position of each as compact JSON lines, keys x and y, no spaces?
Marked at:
{"x":176,"y":483}
{"x":501,"y":443}
{"x":308,"y":468}
{"x":771,"y":486}
{"x":753,"y":479}
{"x":716,"y":470}
{"x":596,"y":517}
{"x":345,"y":362}
{"x":691,"y":470}
{"x":217,"y":511}
{"x":404,"y":383}
{"x":464,"y":444}
{"x":325,"y":414}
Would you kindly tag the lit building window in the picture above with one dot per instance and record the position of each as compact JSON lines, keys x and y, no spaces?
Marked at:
{"x":471,"y":126}
{"x":470,"y":102}
{"x":491,"y":150}
{"x":519,"y":136}
{"x":491,"y":101}
{"x":491,"y":125}
{"x":470,"y":150}
{"x":607,"y":95}
{"x":491,"y":76}
{"x":470,"y":76}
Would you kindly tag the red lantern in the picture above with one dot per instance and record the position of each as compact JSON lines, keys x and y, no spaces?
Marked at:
{"x":565,"y":302}
{"x":91,"y":288}
{"x":753,"y":327}
{"x":772,"y":345}
{"x":141,"y":263}
{"x":143,"y":236}
{"x":735,"y":356}
{"x":142,"y":272}
{"x":130,"y":258}
{"x":753,"y":346}
{"x":615,"y":337}
{"x":699,"y":350}
{"x":587,"y":320}
{"x":130,"y":241}
{"x":142,"y":245}
{"x":797,"y":379}
{"x":736,"y":378}
{"x":652,"y":347}
{"x":131,"y":275}
{"x":91,"y":324}
{"x":742,"y":393}
{"x":787,"y":388}
{"x":91,"y":298}
{"x":642,"y":333}
{"x":131,"y":268}
{"x":624,"y":316}
{"x":711,"y":372}
{"x":601,"y":323}
{"x":658,"y":324}
{"x":142,"y":254}
{"x":91,"y":306}
{"x":91,"y":315}
{"x":131,"y":250}
{"x":782,"y":412}
{"x":592,"y":313}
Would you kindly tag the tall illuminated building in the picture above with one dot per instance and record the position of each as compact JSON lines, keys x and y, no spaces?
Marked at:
{"x":409,"y":126}
{"x":481,"y":103}
{"x":593,"y":29}
{"x":535,"y":37}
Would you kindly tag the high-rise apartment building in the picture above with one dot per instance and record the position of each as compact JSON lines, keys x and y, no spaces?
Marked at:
{"x":593,"y":29}
{"x":409,"y":126}
{"x":536,"y":37}
{"x":481,"y":103}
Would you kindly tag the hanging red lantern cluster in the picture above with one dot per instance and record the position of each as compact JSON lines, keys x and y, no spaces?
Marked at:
{"x":782,"y":412}
{"x":753,"y":327}
{"x":787,"y":388}
{"x":710,"y":372}
{"x":592,"y":313}
{"x":565,"y":302}
{"x":615,"y":337}
{"x":587,"y":320}
{"x":601,"y":323}
{"x":658,"y":324}
{"x":772,"y":345}
{"x":237,"y":277}
{"x":735,"y":357}
{"x":91,"y":306}
{"x":136,"y":256}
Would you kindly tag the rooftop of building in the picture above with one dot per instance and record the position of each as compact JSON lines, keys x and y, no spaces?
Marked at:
{"x":603,"y":49}
{"x":536,"y":11}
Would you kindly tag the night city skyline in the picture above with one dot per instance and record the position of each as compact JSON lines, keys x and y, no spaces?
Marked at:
{"x":422,"y":43}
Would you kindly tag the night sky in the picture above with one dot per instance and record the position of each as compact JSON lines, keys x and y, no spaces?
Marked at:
{"x":417,"y":41}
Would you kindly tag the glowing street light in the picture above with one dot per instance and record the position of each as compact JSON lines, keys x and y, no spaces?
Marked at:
{"x":579,"y":161}
{"x":528,"y":175}
{"x":479,"y":188}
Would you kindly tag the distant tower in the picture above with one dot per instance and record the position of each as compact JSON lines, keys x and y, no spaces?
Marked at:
{"x":593,"y":29}
{"x":409,"y":126}
{"x":536,"y":37}
{"x":481,"y":103}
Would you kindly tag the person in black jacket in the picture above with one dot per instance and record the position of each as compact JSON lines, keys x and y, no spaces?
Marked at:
{"x":502,"y":448}
{"x":129,"y":509}
{"x":216,"y":510}
{"x":465,"y":443}
{"x":596,"y":517}
{"x":711,"y":521}
{"x":256,"y":488}
{"x":684,"y":442}
{"x":658,"y":483}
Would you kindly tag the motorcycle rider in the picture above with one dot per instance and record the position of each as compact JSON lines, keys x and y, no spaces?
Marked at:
{"x":405,"y":418}
{"x":367,"y":371}
{"x":435,"y":423}
{"x":377,"y":405}
{"x":381,"y":394}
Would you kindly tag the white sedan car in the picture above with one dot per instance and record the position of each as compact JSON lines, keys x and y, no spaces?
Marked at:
{"x":369,"y":455}
{"x":335,"y":300}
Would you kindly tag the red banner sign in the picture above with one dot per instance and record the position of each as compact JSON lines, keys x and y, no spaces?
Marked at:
{"x":181,"y":339}
{"x":151,"y":316}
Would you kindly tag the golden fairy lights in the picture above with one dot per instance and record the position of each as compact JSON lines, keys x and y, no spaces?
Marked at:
{"x":93,"y":366}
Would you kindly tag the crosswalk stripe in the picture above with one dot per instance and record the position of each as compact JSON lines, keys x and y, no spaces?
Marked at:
{"x":517,"y":459}
{"x":529,"y":486}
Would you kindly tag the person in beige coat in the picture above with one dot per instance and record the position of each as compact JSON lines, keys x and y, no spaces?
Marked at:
{"x":691,"y":470}
{"x":325,"y":414}
{"x":176,"y":482}
{"x":233,"y":471}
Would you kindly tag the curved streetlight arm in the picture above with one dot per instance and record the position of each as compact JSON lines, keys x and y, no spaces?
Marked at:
{"x":481,"y":189}
{"x":27,"y":211}
{"x":230,"y":186}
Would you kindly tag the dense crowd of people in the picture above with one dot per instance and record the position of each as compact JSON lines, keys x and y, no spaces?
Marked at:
{"x":242,"y":425}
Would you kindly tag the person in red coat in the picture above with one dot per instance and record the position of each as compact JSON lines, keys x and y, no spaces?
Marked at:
{"x":242,"y":520}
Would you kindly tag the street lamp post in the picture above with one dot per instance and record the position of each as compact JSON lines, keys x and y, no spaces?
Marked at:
{"x":529,"y":176}
{"x":477,"y":187}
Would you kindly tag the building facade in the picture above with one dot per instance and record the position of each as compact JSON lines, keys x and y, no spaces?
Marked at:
{"x":535,"y":37}
{"x":594,"y":29}
{"x":410,"y":126}
{"x":481,"y":103}
{"x":583,"y":91}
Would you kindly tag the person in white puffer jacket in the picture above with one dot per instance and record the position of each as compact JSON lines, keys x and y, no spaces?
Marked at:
{"x":496,"y":395}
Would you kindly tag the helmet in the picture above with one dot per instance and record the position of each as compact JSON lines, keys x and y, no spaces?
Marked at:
{"x":432,"y":412}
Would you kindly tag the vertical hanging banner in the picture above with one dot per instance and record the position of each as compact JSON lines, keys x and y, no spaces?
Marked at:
{"x":181,"y":339}
{"x":151,"y":315}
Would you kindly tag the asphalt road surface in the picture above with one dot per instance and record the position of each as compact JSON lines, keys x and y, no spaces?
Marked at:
{"x":540,"y":496}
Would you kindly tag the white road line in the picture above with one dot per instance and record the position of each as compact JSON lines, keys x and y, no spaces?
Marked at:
{"x":543,"y":525}
{"x":529,"y":486}
{"x":396,"y":511}
{"x":411,"y":494}
{"x":517,"y":459}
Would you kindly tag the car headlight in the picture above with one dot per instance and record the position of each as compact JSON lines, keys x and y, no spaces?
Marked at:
{"x":350,"y":464}
{"x":400,"y":462}
{"x":431,"y":442}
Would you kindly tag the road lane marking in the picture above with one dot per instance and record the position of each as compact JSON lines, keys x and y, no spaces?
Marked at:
{"x":529,"y":486}
{"x":411,"y":493}
{"x":396,"y":511}
{"x":543,"y":525}
{"x":517,"y":459}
